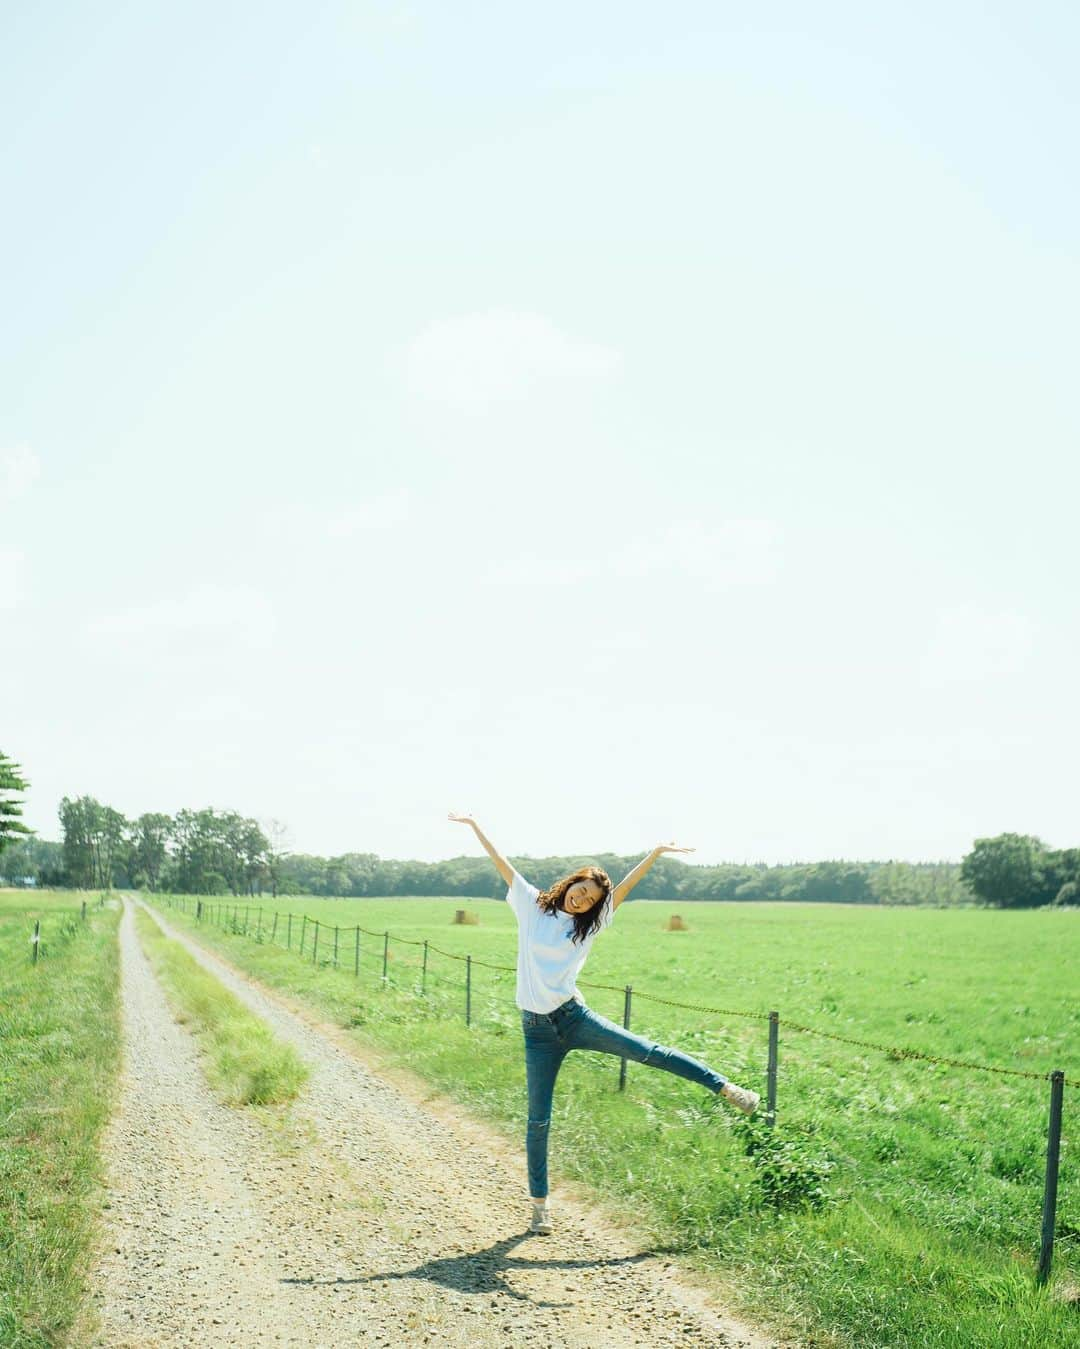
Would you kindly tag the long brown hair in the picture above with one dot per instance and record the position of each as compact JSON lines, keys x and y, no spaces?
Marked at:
{"x":584,"y":923}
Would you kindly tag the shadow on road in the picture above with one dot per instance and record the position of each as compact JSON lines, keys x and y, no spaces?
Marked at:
{"x":482,"y":1271}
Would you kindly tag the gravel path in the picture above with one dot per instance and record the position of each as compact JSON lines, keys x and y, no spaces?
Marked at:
{"x":361,"y":1215}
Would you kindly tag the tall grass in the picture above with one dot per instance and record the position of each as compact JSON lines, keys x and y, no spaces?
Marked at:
{"x":912,"y":1216}
{"x":59,"y":1056}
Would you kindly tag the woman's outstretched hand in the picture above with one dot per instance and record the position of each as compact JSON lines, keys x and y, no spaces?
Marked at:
{"x":505,"y":870}
{"x":631,"y":879}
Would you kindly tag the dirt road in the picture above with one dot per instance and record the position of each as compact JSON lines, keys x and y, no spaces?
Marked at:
{"x":360,"y":1215}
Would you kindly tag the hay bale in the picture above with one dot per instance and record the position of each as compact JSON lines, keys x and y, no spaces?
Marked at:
{"x":676,"y":924}
{"x":469,"y":919}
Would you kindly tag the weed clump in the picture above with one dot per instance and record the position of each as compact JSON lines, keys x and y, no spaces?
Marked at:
{"x":791,"y":1172}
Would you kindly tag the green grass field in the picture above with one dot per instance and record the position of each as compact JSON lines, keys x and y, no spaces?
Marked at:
{"x":59,"y":1054}
{"x":897,"y":1202}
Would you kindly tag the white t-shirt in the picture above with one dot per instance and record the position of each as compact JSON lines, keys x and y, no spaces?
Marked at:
{"x":548,"y":960}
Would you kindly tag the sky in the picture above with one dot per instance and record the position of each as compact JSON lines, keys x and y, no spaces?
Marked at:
{"x":625,"y":423}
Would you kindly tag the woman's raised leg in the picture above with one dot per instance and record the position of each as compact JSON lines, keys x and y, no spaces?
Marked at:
{"x":591,"y":1031}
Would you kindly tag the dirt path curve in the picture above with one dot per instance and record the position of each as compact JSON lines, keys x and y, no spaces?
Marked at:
{"x":371,"y":1219}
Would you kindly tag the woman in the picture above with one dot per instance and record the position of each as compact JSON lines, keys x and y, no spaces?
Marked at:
{"x":556,"y":929}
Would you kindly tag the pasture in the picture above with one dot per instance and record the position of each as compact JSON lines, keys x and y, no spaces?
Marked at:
{"x":897,"y":1202}
{"x":59,"y":1053}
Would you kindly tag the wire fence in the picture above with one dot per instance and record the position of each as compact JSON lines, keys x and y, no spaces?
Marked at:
{"x":57,"y":934}
{"x":342,"y":948}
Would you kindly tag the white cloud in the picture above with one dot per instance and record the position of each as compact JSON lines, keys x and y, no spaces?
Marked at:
{"x":735,"y":552}
{"x":380,"y":512}
{"x":238,"y":610}
{"x":218,"y":709}
{"x":370,"y":515}
{"x":498,"y":356}
{"x":10,"y":564}
{"x":19,"y":467}
{"x":973,"y":644}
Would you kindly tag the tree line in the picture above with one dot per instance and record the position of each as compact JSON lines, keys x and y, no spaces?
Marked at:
{"x":359,"y":874}
{"x":194,"y":852}
{"x":1020,"y":871}
{"x":210,"y":851}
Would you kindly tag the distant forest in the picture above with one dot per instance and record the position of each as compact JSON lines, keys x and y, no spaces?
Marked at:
{"x":222,"y":852}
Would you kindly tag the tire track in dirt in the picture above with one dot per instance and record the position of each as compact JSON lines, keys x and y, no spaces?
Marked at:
{"x":187,"y":1255}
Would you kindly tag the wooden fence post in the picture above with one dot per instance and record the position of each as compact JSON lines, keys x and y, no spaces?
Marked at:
{"x":770,"y":1100}
{"x":1053,"y":1148}
{"x":626,"y":1026}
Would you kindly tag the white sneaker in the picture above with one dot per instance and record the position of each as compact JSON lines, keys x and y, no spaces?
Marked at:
{"x":541,"y":1220}
{"x":742,"y":1097}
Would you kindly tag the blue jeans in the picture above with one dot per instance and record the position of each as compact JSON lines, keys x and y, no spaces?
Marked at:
{"x":550,"y":1036}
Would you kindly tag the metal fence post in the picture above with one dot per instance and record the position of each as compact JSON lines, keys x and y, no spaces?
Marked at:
{"x":335,"y":945}
{"x":273,"y":931}
{"x":36,"y":938}
{"x":315,"y":943}
{"x":385,"y":953}
{"x":468,"y":990}
{"x":626,"y":1026}
{"x":423,"y":974}
{"x":356,"y":955}
{"x":84,"y":910}
{"x":770,"y":1099}
{"x":288,"y":933}
{"x":303,"y":932}
{"x":1053,"y":1148}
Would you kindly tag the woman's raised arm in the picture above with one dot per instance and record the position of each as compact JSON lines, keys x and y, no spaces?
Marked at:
{"x":632,"y":877}
{"x":505,"y":870}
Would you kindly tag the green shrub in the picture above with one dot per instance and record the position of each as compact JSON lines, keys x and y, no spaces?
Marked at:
{"x":790,"y":1170}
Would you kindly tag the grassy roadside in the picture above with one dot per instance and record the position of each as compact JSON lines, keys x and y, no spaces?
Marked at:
{"x":59,"y":1059}
{"x":244,"y":1062}
{"x":894,"y":1261}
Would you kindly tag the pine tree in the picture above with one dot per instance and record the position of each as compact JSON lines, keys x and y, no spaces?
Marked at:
{"x":11,"y":781}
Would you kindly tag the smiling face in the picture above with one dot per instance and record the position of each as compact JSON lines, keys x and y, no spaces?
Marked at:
{"x":581,"y":896}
